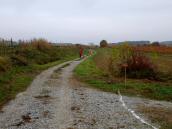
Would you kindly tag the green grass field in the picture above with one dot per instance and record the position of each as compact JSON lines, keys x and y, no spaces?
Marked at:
{"x":90,"y":73}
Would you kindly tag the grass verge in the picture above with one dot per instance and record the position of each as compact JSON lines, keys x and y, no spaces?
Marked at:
{"x":19,"y":78}
{"x":89,"y":73}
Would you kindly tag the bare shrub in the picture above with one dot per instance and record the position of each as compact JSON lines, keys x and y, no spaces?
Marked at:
{"x":139,"y":66}
{"x":41,"y":44}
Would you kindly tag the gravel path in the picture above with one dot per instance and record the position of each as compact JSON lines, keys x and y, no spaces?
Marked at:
{"x":56,"y":101}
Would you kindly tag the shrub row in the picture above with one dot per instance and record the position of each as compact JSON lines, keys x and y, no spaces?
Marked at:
{"x":35,"y":52}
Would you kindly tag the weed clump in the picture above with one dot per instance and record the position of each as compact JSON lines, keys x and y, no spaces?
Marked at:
{"x":4,"y":64}
{"x":18,"y":60}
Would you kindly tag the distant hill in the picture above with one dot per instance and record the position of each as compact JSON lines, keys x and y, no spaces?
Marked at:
{"x":62,"y":44}
{"x":135,"y":43}
{"x":168,"y":43}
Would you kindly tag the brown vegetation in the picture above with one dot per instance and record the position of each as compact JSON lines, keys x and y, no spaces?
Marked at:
{"x":161,"y":115}
{"x":138,"y":65}
{"x":41,"y":44}
{"x":157,"y":49}
{"x":143,"y":62}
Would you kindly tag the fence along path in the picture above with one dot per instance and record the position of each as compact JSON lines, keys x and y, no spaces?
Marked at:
{"x":8,"y":47}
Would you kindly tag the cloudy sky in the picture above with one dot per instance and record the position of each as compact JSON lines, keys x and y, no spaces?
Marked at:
{"x":86,"y":20}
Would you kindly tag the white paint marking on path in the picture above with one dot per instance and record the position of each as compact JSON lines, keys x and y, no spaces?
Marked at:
{"x":133,"y":112}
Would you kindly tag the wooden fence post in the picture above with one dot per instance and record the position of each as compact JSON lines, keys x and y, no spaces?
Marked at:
{"x":125,"y":70}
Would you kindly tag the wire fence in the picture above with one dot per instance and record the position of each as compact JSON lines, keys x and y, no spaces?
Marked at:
{"x":8,"y":47}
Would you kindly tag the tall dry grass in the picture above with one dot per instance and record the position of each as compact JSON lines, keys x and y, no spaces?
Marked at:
{"x":103,"y":59}
{"x":41,"y":44}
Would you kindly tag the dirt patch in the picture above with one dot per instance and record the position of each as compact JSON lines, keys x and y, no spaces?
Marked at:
{"x":93,"y":121}
{"x":46,"y":113}
{"x":81,"y":94}
{"x":82,"y":98}
{"x":51,"y":82}
{"x":58,"y":71}
{"x":25,"y":119}
{"x":19,"y":124}
{"x":65,"y":65}
{"x":70,"y":128}
{"x":160,"y":115}
{"x":75,"y":108}
{"x":43,"y":97}
{"x":55,"y":76}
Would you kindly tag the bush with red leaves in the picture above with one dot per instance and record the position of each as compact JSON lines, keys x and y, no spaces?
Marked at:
{"x":139,"y":66}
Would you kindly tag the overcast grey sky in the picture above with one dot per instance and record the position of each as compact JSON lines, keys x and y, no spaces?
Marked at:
{"x":86,"y":20}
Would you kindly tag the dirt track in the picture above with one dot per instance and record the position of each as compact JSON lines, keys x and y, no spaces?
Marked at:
{"x":56,"y":101}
